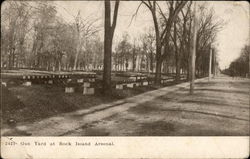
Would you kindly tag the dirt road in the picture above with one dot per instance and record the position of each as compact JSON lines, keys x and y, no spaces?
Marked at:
{"x":218,"y":107}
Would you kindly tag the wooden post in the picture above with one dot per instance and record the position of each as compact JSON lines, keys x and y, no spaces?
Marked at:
{"x":210,"y":63}
{"x":193,"y":52}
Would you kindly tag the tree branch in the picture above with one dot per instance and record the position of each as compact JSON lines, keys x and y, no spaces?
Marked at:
{"x":135,"y":14}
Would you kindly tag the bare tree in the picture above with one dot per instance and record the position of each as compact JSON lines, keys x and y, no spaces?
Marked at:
{"x":180,"y":40}
{"x":148,"y":42}
{"x":14,"y":24}
{"x":123,"y":52}
{"x":77,"y":23}
{"x":162,"y":35}
{"x":84,"y":29}
{"x":35,"y":36}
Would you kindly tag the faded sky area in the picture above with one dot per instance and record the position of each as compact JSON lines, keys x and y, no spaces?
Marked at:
{"x":230,"y":40}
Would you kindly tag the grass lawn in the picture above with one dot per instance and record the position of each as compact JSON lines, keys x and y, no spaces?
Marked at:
{"x":28,"y":104}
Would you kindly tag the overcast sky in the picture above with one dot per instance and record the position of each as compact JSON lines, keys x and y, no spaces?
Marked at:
{"x":230,"y":40}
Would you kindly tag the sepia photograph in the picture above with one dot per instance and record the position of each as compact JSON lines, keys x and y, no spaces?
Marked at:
{"x":125,"y":68}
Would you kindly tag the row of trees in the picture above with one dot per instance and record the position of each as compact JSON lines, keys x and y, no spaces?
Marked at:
{"x":34,"y":36}
{"x":241,"y":65}
{"x":172,"y":35}
{"x":173,"y":31}
{"x":138,"y":55}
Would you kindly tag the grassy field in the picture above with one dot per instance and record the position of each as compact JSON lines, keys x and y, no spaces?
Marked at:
{"x":28,"y":104}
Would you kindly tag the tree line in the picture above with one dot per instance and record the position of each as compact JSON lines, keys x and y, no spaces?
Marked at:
{"x":241,"y":65}
{"x":35,"y":36}
{"x":172,"y":37}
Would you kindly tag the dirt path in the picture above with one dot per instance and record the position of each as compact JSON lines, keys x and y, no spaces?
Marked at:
{"x":218,"y":107}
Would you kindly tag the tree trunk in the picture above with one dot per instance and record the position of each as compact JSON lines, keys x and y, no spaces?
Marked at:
{"x":151,"y":61}
{"x":210,"y":63}
{"x":158,"y":59}
{"x":177,"y":55}
{"x":134,"y":60}
{"x":107,"y":62}
{"x":158,"y":70}
{"x":10,"y":65}
{"x":214,"y":63}
{"x":108,"y":37}
{"x":158,"y":49}
{"x":148,"y":63}
{"x":77,"y":48}
{"x":177,"y":61}
{"x":13,"y":59}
